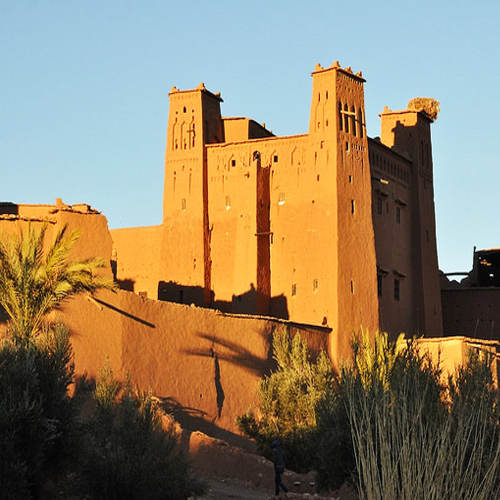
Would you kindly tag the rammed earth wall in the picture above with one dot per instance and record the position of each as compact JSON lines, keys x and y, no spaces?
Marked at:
{"x":206,"y":365}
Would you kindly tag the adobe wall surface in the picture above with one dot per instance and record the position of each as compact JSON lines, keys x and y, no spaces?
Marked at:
{"x":137,"y":259}
{"x":206,"y":364}
{"x":393,"y":222}
{"x":473,"y":312}
{"x":453,"y":352}
{"x":94,"y":241}
{"x":408,"y":133}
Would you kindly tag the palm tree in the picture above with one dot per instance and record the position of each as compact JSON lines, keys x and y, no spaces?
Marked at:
{"x":33,"y":282}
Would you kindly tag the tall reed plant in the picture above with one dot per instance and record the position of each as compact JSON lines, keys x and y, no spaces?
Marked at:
{"x":415,"y":438}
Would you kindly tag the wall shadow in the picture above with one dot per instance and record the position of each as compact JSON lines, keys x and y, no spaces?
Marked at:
{"x":124,"y":313}
{"x":238,"y":355}
{"x":170,"y":291}
{"x":127,"y":285}
{"x":192,"y":420}
{"x":8,"y":208}
{"x":245,"y":303}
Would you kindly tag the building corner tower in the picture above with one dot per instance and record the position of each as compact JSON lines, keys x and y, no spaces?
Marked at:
{"x":338,"y":138}
{"x":408,"y":132}
{"x":194,"y":121}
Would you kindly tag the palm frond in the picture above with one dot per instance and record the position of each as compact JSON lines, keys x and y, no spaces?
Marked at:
{"x":34,"y":281}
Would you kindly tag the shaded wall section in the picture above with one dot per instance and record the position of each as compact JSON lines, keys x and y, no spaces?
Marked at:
{"x":474,"y":312}
{"x":205,"y":364}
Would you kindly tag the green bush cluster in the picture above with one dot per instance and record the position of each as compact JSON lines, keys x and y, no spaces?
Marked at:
{"x":127,"y":454}
{"x":387,"y":423}
{"x":35,"y":411}
{"x":120,"y":451}
{"x":288,"y":401}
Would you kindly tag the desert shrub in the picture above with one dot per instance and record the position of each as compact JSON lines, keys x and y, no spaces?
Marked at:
{"x":53,"y":357}
{"x":334,"y":459}
{"x":377,"y":365}
{"x":25,"y":433}
{"x":288,"y":401}
{"x":127,"y":454}
{"x":35,"y":410}
{"x":412,"y":437}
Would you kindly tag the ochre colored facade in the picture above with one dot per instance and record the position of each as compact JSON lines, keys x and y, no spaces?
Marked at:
{"x":323,"y":233}
{"x":328,"y":228}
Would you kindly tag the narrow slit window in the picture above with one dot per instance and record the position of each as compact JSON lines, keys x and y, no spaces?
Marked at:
{"x":183,"y":204}
{"x":294,"y":290}
{"x":360,"y":122}
{"x":281,"y":199}
{"x":397,"y":289}
{"x":228,"y":202}
{"x":341,"y":123}
{"x":353,"y":118}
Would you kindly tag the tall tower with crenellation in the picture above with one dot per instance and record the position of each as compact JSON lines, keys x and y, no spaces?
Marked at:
{"x":339,"y":156}
{"x":194,"y":121}
{"x":408,"y":132}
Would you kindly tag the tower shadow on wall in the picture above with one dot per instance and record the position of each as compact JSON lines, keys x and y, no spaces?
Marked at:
{"x":245,"y":303}
{"x":8,"y":208}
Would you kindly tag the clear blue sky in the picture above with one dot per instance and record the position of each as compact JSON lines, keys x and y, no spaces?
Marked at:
{"x":84,"y":92}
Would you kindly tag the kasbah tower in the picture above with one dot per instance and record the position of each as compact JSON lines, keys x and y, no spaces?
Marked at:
{"x":328,"y":228}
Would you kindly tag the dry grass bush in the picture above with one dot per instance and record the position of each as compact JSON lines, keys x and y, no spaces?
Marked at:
{"x":413,"y":437}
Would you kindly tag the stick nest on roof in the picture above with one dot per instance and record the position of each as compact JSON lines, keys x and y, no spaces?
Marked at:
{"x":427,"y":105}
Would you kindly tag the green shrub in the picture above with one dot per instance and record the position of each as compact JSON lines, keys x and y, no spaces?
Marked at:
{"x":288,"y":400}
{"x":334,"y":459}
{"x":127,"y":454}
{"x":26,"y":434}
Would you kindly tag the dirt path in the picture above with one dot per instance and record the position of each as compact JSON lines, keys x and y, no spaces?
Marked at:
{"x":235,"y":474}
{"x":232,"y":489}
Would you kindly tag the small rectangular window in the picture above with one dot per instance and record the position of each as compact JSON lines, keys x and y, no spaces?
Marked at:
{"x":315,"y":285}
{"x":379,"y":285}
{"x":294,"y":290}
{"x":275,"y":158}
{"x":281,"y":199}
{"x":352,"y":207}
{"x":397,"y":284}
{"x":183,"y":204}
{"x":233,"y":163}
{"x":228,"y":202}
{"x":398,"y":215}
